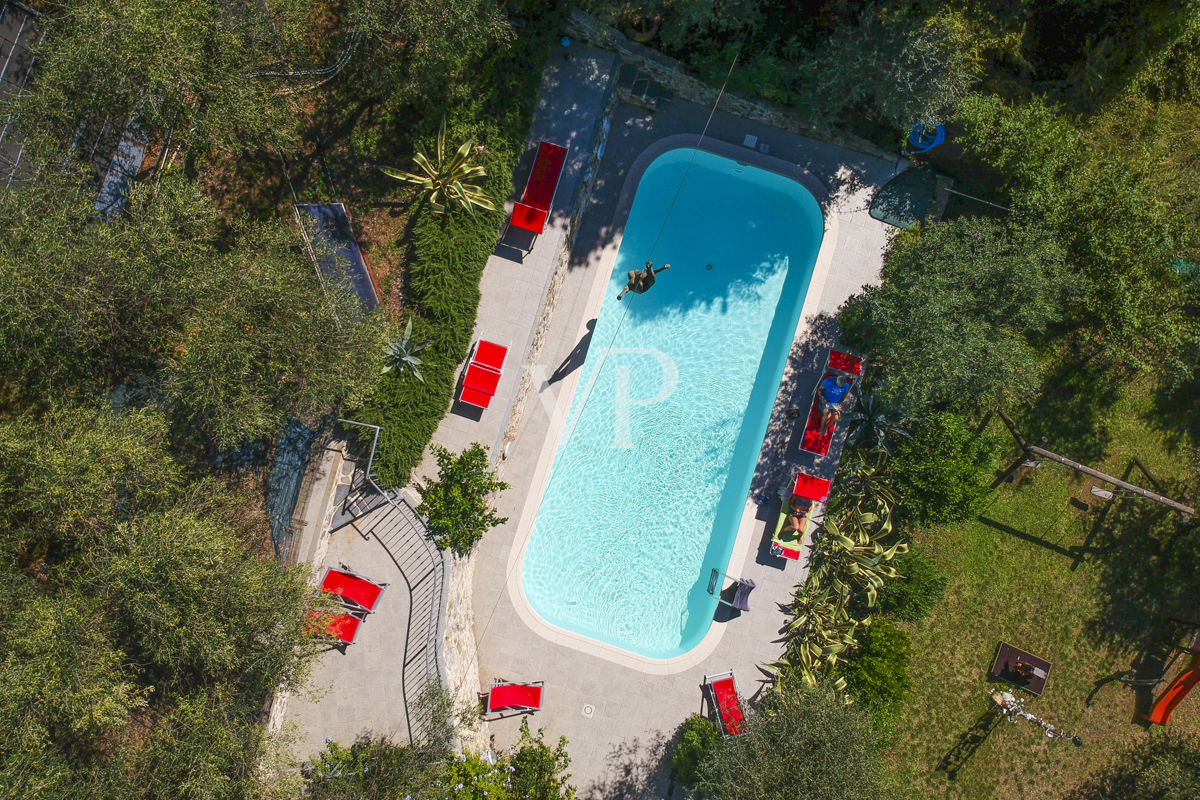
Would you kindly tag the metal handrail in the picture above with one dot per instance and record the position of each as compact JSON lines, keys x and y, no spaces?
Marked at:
{"x":432,"y":599}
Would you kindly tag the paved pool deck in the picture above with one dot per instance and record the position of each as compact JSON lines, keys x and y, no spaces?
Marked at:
{"x":619,"y":711}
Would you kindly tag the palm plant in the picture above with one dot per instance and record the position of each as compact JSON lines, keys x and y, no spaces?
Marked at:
{"x":447,"y":181}
{"x":401,"y":354}
{"x":873,"y":421}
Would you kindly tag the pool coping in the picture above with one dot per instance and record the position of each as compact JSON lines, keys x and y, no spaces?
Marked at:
{"x":742,"y":546}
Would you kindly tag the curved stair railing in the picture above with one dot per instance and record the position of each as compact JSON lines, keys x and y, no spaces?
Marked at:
{"x":403,"y":534}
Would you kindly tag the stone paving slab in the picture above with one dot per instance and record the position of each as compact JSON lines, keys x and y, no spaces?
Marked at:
{"x":618,"y":717}
{"x":356,"y":691}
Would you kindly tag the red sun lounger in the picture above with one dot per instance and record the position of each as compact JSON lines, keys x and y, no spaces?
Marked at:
{"x":506,"y":696}
{"x":343,"y":627}
{"x":807,"y":487}
{"x":352,"y":589}
{"x":850,"y":366}
{"x":531,"y":212}
{"x":727,"y":702}
{"x":482,"y":374}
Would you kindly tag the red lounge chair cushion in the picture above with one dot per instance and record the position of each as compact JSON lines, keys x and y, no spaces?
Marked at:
{"x":343,"y":627}
{"x":787,"y":552}
{"x":728,"y":706}
{"x":352,"y":587}
{"x":474,"y":398}
{"x":813,"y":441}
{"x":543,"y":178}
{"x":811,"y":488}
{"x":528,"y":218}
{"x":481,"y":379}
{"x":490,"y":354}
{"x":844,"y":362}
{"x":515,"y":695}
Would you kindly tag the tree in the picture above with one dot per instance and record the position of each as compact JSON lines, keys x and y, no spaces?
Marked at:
{"x":457,"y":502}
{"x":944,"y":473}
{"x":157,"y":306}
{"x":840,"y":762}
{"x":1161,"y":768}
{"x":958,"y":317}
{"x":174,"y":70}
{"x":696,"y":737}
{"x":903,"y":69}
{"x":143,"y":635}
{"x":1123,"y":218}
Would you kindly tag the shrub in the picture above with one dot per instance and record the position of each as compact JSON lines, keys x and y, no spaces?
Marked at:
{"x":697,"y":736}
{"x":457,"y":502}
{"x":877,"y":674}
{"x":913,"y":595}
{"x":943,"y":473}
{"x":803,"y":742}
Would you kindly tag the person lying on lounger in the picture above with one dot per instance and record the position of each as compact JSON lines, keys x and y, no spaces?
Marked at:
{"x":640,"y":280}
{"x":829,"y":396}
{"x":797,"y":515}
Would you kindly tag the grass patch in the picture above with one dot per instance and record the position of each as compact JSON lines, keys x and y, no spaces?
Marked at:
{"x":1010,"y":577}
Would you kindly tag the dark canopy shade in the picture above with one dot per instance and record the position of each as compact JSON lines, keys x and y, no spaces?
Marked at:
{"x":336,"y":250}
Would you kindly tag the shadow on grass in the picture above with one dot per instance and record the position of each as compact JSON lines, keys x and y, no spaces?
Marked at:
{"x":968,"y":742}
{"x":1071,"y":412}
{"x":1147,"y":573}
{"x":1069,"y":552}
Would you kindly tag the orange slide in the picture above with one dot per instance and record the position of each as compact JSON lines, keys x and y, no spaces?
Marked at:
{"x":1173,"y":696}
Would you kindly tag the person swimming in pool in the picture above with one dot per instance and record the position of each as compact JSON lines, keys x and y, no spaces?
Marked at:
{"x":640,"y":280}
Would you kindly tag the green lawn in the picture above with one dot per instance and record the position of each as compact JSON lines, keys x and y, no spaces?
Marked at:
{"x":1010,"y":577}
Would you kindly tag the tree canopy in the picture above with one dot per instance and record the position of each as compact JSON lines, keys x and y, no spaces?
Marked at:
{"x":841,"y":760}
{"x":958,"y":317}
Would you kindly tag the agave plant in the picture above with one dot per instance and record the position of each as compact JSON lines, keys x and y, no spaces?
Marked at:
{"x":447,"y":181}
{"x":864,"y":485}
{"x":821,"y":633}
{"x":873,"y":421}
{"x":401,"y":355}
{"x":851,"y":559}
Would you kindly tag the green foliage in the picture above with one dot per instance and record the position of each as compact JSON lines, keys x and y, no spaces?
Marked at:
{"x":1160,"y":768}
{"x":539,"y":772}
{"x":697,"y":736}
{"x":451,"y":251}
{"x":874,"y":423}
{"x":1120,"y":215}
{"x":457,"y":502}
{"x":904,"y":70}
{"x":876,"y":673}
{"x":958,"y":316}
{"x":177,"y":69}
{"x":944,"y":473}
{"x":142,"y":635}
{"x":158,"y":300}
{"x":913,"y":595}
{"x":447,"y":181}
{"x":379,"y":769}
{"x":802,"y":742}
{"x":401,"y":354}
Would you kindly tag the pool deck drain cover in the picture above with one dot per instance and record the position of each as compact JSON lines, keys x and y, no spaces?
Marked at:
{"x":589,"y":710}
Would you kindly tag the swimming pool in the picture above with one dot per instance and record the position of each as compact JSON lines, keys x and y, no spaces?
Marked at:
{"x":651,"y":476}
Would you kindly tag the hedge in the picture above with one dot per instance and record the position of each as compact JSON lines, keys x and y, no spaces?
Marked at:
{"x":450,"y":252}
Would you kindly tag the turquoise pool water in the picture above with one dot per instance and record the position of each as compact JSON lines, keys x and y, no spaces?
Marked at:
{"x":652,"y":474}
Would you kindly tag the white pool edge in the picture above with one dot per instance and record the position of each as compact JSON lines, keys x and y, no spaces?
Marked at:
{"x":743,"y":543}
